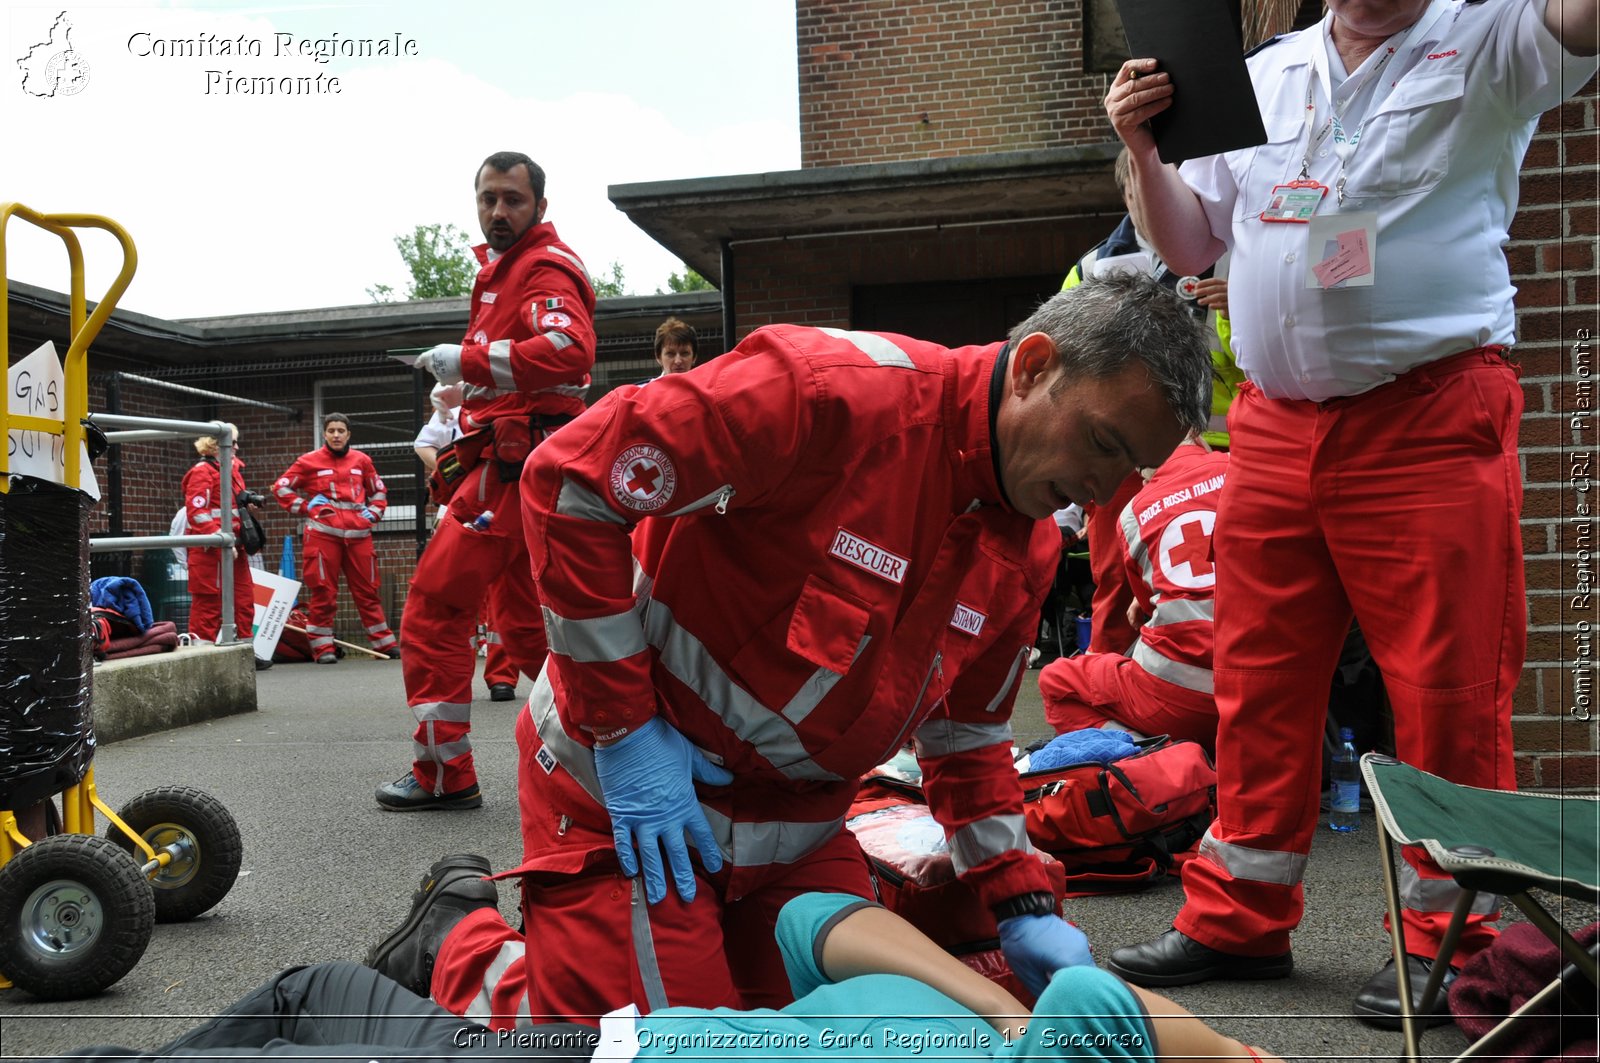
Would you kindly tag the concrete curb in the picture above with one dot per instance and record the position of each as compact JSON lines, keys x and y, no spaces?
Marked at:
{"x":140,"y":695}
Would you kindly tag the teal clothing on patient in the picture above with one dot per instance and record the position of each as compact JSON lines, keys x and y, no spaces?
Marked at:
{"x":1084,"y":1013}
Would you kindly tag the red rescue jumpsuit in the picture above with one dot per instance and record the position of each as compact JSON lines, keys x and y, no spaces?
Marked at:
{"x":203,"y":502}
{"x":829,"y":571}
{"x":1164,"y":685}
{"x":338,"y":538}
{"x":525,"y":360}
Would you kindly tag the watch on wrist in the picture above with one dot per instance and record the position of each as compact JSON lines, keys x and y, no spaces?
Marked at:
{"x":1026,"y":904}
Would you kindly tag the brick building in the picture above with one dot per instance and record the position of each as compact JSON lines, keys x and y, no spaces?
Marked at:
{"x":955,"y":161}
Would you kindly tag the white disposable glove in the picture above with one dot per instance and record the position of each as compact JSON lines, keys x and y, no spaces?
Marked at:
{"x":443,"y":361}
{"x":445,"y":398}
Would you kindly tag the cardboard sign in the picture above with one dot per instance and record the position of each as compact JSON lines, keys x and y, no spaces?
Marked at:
{"x":37,"y":387}
{"x":274,"y":597}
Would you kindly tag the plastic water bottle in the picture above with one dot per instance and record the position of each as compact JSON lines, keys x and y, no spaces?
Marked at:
{"x":1344,"y":796}
{"x":482,"y":521}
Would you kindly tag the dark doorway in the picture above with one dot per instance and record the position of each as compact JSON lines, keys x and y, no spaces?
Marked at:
{"x":952,"y":313}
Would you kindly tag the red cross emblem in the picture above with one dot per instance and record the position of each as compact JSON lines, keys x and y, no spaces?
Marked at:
{"x":1185,"y":551}
{"x":1195,"y":550}
{"x":643,"y":478}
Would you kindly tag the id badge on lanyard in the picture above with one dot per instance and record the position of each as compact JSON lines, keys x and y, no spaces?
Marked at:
{"x":1295,"y":202}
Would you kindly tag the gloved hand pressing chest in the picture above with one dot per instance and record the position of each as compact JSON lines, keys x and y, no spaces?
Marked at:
{"x":1037,"y":946}
{"x":317,"y":504}
{"x":647,"y":779}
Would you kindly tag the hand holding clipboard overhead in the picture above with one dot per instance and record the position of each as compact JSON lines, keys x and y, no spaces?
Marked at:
{"x":1196,"y":46}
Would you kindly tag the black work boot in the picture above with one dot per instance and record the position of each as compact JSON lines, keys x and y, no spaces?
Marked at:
{"x":453,"y":888}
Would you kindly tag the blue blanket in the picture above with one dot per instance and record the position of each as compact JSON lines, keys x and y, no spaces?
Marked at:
{"x":123,"y":594}
{"x":1080,"y":747}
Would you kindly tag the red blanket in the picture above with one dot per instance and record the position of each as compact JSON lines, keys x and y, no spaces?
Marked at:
{"x":1503,"y":976}
{"x":161,"y":637}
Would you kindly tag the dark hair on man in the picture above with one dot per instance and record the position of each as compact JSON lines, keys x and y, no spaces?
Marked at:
{"x":1107,"y":323}
{"x":505,"y":162}
{"x":329,"y":418}
{"x":672,"y":330}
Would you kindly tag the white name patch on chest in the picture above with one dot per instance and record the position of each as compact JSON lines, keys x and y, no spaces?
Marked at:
{"x":857,"y":551}
{"x":967,"y":619}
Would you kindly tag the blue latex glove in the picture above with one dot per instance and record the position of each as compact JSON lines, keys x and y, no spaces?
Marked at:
{"x":647,"y":780}
{"x":318,"y":502}
{"x":1037,"y":946}
{"x":369,"y":514}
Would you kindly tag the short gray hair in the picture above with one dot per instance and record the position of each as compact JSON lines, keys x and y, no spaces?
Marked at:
{"x":1105,"y":324}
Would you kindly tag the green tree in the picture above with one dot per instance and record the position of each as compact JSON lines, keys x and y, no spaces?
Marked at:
{"x":607,"y":288}
{"x":687,"y":281}
{"x":439,"y":258}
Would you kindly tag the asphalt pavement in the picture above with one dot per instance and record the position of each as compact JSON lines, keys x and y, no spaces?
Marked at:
{"x":326,"y":873}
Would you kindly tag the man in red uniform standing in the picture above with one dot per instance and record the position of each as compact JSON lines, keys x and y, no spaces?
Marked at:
{"x":339,"y":493}
{"x":523,"y":367}
{"x":1163,"y":685}
{"x":846,"y":548}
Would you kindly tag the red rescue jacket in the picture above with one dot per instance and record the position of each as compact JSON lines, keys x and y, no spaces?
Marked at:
{"x":828,"y":570}
{"x":349,"y":483}
{"x":203,"y":502}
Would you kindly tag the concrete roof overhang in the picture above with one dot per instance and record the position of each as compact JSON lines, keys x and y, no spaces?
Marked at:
{"x":691,"y":218}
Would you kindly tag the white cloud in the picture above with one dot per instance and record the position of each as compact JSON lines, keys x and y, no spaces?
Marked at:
{"x":240,"y":203}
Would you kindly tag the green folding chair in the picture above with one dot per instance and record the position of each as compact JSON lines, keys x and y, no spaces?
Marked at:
{"x":1493,"y":841}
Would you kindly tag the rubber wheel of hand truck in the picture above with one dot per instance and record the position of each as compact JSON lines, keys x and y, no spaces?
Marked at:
{"x":75,"y":916}
{"x":210,"y":850}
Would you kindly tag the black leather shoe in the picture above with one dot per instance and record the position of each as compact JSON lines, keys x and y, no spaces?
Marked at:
{"x":405,"y":794}
{"x":393,"y":653}
{"x":1378,"y":1003}
{"x":1175,"y":958}
{"x":453,"y":888}
{"x":502,"y":692}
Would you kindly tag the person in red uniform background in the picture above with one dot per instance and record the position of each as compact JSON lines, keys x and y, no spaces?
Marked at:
{"x":339,"y":493}
{"x":843,"y":545}
{"x":1163,"y":685}
{"x":202,"y":501}
{"x":523,"y":367}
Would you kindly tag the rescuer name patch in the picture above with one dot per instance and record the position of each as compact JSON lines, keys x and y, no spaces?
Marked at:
{"x":864,"y":555}
{"x":643,"y":478}
{"x":967,"y":619}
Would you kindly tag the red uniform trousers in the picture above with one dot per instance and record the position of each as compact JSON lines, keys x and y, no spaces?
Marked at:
{"x":441,"y":622}
{"x":498,"y":667}
{"x":592,"y":943}
{"x":1112,"y":593}
{"x":1102,"y":689}
{"x":1402,"y":506}
{"x":205,"y":594}
{"x":326,"y":556}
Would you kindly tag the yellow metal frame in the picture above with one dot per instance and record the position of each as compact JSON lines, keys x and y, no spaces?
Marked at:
{"x":85,"y":327}
{"x":79,"y":801}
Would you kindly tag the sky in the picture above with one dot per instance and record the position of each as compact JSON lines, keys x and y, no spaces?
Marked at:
{"x":240,"y":203}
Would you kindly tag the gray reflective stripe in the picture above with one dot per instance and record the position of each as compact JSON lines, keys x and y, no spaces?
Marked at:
{"x":377,"y":629}
{"x":378,"y":496}
{"x":478,"y":391}
{"x":492,"y":638}
{"x":576,"y":757}
{"x":1177,"y":673}
{"x":940,"y":738}
{"x":644,"y":950}
{"x":1017,"y":666}
{"x":985,"y":839}
{"x":702,"y":503}
{"x":206,"y":518}
{"x":817,"y":687}
{"x":770,"y":733}
{"x":336,"y":504}
{"x":1439,"y":894}
{"x":757,"y":844}
{"x":313,"y":629}
{"x":482,"y":1006}
{"x":446,"y":711}
{"x":603,"y":639}
{"x":1256,"y":865}
{"x":1130,"y":532}
{"x":339,"y":533}
{"x":282,"y":491}
{"x":440,"y":752}
{"x":569,"y":256}
{"x":578,"y":501}
{"x":384,"y":643}
{"x":559,"y":340}
{"x":1181,"y":610}
{"x":563,"y":389}
{"x":319,"y":641}
{"x":500,"y":365}
{"x":878,"y":348}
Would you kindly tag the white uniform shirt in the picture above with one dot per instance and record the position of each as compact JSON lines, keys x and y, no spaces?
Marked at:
{"x":438,"y":433}
{"x":1443,"y":129}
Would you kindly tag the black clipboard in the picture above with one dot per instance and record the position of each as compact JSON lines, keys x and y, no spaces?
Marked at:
{"x":1196,"y":42}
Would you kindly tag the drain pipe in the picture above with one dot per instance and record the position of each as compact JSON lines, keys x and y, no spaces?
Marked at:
{"x":727,"y":295}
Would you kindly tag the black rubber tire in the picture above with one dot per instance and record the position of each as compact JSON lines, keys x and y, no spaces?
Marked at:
{"x":196,"y":881}
{"x":75,"y":916}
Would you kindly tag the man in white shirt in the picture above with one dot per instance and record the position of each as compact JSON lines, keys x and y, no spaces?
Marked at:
{"x":1374,"y":465}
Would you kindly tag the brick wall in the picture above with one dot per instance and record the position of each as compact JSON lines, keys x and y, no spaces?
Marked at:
{"x":882,"y":80}
{"x":1552,"y":253}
